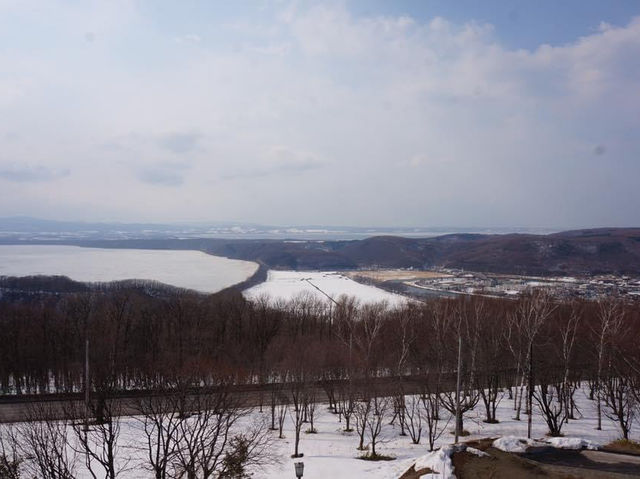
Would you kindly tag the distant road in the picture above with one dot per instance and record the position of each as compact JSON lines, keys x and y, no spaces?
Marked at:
{"x":16,"y":408}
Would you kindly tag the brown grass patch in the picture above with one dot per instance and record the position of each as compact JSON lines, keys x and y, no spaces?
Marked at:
{"x":413,"y":474}
{"x":624,"y":445}
{"x":395,"y":274}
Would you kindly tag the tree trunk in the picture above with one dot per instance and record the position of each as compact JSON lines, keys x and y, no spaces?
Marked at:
{"x":460,"y":424}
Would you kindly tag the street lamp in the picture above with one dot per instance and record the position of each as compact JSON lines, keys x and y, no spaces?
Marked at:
{"x":299,"y":469}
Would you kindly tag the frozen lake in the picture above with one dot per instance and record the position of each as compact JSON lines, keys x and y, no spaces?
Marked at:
{"x":185,"y":269}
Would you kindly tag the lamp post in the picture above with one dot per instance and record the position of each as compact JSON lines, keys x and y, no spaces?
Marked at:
{"x":299,"y":469}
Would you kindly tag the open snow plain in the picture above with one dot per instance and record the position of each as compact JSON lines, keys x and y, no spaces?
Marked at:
{"x":332,"y":453}
{"x":184,"y":269}
{"x":287,"y":285}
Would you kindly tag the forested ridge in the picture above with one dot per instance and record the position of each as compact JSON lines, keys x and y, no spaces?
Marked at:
{"x":580,"y":252}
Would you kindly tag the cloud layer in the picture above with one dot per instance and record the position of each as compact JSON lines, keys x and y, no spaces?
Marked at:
{"x":312,"y":114}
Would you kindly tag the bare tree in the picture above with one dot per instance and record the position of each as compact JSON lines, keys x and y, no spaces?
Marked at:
{"x":552,"y":397}
{"x":310,"y":403}
{"x":608,"y":326}
{"x":344,"y":330}
{"x":414,"y":414}
{"x":370,"y":324}
{"x":298,"y":394}
{"x":98,"y":443}
{"x":43,"y":441}
{"x":346,"y":403}
{"x":467,"y":400}
{"x":10,"y":456}
{"x":515,"y":343}
{"x":466,"y":395}
{"x":375,"y":420}
{"x":490,"y":360}
{"x":432,"y":417}
{"x":275,"y":398}
{"x":616,"y":392}
{"x":532,"y":311}
{"x":568,"y":327}
{"x":399,"y":408}
{"x":265,"y":326}
{"x":404,"y":321}
{"x":361,"y":413}
{"x":159,"y":418}
{"x":203,"y":439}
{"x":282,"y":407}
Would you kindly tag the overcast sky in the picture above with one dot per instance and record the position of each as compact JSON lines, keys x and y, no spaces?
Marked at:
{"x":389,"y":113}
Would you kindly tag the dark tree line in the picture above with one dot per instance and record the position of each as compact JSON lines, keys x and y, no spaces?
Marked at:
{"x":534,"y":352}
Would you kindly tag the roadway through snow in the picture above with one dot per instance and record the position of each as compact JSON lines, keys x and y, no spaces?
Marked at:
{"x":603,"y":461}
{"x":17,"y":408}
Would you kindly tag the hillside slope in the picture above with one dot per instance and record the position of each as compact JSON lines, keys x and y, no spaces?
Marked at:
{"x":594,"y":251}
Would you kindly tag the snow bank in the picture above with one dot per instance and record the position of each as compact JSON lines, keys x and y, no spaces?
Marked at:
{"x":521,"y":444}
{"x":439,"y":462}
{"x":477,"y":452}
{"x":513,"y":444}
{"x":572,"y":443}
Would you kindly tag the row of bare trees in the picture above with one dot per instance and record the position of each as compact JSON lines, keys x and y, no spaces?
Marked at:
{"x":177,"y":434}
{"x":533,"y":351}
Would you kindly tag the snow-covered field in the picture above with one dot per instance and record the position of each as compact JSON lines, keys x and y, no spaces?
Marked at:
{"x":286,"y":285}
{"x":185,"y":269}
{"x":332,"y":453}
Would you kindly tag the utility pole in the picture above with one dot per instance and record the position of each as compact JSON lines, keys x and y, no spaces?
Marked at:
{"x":330,"y":298}
{"x":457,"y":428}
{"x":530,"y":395}
{"x":86,"y":383}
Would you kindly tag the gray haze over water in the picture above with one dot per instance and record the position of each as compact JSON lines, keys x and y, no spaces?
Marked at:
{"x":19,"y":229}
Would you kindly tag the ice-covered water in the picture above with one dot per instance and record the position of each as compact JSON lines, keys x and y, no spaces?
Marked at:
{"x":185,"y":269}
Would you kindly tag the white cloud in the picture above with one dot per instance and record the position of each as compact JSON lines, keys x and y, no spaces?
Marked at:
{"x":275,"y":160}
{"x":362,"y":116}
{"x":189,"y":38}
{"x":29,"y":173}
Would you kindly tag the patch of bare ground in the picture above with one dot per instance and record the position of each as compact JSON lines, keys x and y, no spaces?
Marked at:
{"x":500,"y":465}
{"x":413,"y":474}
{"x":395,"y":274}
{"x":623,"y":446}
{"x":504,"y":465}
{"x":481,"y":444}
{"x":377,"y":457}
{"x":552,"y":463}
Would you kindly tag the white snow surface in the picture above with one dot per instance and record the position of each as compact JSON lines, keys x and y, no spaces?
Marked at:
{"x":514,"y":444}
{"x":521,"y":444}
{"x":572,"y":443}
{"x":332,"y":453}
{"x":185,"y":269}
{"x":477,"y":452}
{"x":287,"y":285}
{"x":439,"y":462}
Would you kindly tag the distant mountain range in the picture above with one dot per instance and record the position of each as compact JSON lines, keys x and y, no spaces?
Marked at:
{"x":592,"y":251}
{"x":567,"y":253}
{"x":26,"y":228}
